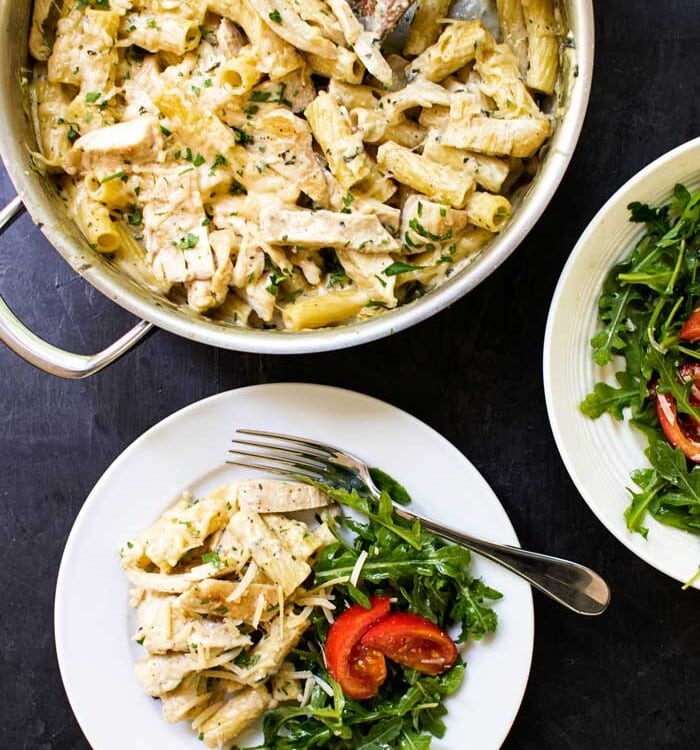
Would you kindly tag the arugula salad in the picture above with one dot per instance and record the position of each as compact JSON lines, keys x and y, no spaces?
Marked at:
{"x":650,"y":314}
{"x":265,"y":600}
{"x":422,"y":574}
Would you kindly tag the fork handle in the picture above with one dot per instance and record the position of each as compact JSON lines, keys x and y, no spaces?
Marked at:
{"x":575,"y":586}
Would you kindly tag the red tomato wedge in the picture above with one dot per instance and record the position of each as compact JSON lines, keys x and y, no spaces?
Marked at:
{"x":359,"y":670}
{"x":682,"y":431}
{"x":673,"y":430}
{"x":691,"y":328}
{"x":412,"y":641}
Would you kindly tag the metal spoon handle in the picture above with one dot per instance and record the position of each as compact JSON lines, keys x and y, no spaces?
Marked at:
{"x":575,"y":586}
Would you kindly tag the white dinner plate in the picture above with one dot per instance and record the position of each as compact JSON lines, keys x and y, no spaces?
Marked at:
{"x":187,"y":451}
{"x":600,"y":454}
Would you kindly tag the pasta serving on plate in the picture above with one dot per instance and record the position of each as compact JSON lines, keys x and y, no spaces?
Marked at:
{"x":217,"y":583}
{"x":270,"y":162}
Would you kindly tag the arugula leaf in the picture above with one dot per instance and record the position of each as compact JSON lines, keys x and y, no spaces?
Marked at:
{"x":413,"y":741}
{"x":605,"y":398}
{"x":608,"y":340}
{"x":650,"y":483}
{"x":387,"y":483}
{"x":670,"y":463}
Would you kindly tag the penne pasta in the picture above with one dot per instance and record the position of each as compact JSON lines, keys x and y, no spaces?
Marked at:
{"x":426,"y":24}
{"x":456,"y":46}
{"x":543,"y":44}
{"x":488,"y":211}
{"x":513,"y":30}
{"x":343,"y":148}
{"x":324,"y":309}
{"x":446,"y":185}
{"x":520,"y":137}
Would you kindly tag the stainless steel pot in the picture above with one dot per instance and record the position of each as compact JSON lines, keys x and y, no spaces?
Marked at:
{"x":38,"y":195}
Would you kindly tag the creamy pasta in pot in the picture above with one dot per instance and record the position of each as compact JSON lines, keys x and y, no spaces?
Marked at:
{"x":268,"y":162}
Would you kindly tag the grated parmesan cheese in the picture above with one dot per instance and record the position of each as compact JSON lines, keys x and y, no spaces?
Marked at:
{"x":323,"y":685}
{"x":308,"y":688}
{"x":244,"y":583}
{"x":303,"y":675}
{"x":207,"y":713}
{"x":258,"y":610}
{"x":280,"y":602}
{"x":355,"y":575}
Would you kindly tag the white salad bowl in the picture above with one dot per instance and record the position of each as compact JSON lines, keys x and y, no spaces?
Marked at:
{"x":600,"y":454}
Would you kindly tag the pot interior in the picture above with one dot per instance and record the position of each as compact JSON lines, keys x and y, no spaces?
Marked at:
{"x":17,"y":142}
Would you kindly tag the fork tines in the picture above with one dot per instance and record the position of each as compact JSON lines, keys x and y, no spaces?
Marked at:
{"x":309,"y":459}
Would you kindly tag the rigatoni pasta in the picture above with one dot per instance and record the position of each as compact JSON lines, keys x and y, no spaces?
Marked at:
{"x":267,"y":161}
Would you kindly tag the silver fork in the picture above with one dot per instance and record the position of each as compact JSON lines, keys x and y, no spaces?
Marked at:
{"x":575,"y":586}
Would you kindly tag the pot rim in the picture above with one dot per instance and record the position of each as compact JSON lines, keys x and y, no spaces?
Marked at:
{"x":119,"y":288}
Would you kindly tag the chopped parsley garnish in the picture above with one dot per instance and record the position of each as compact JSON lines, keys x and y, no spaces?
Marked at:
{"x":187,"y":242}
{"x":398,"y":267}
{"x":219,"y":161}
{"x":277,"y":276}
{"x":347,"y":200}
{"x":332,"y":266}
{"x":135,"y":217}
{"x":246,"y":660}
{"x":276,"y":16}
{"x":120,"y":174}
{"x":448,"y":257}
{"x":213,"y":558}
{"x":260,"y":96}
{"x":92,"y":96}
{"x":267,"y":96}
{"x":418,"y":228}
{"x":242,"y":137}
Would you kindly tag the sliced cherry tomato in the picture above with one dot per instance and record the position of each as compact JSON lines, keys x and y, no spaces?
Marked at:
{"x":681,"y":430}
{"x":359,"y":670}
{"x":691,"y":371}
{"x":413,"y":641}
{"x":675,"y":432}
{"x":691,"y":327}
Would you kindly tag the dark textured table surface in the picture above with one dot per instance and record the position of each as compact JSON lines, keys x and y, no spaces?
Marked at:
{"x":629,"y":679}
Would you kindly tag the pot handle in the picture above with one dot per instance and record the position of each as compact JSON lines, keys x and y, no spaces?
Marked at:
{"x":45,"y":356}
